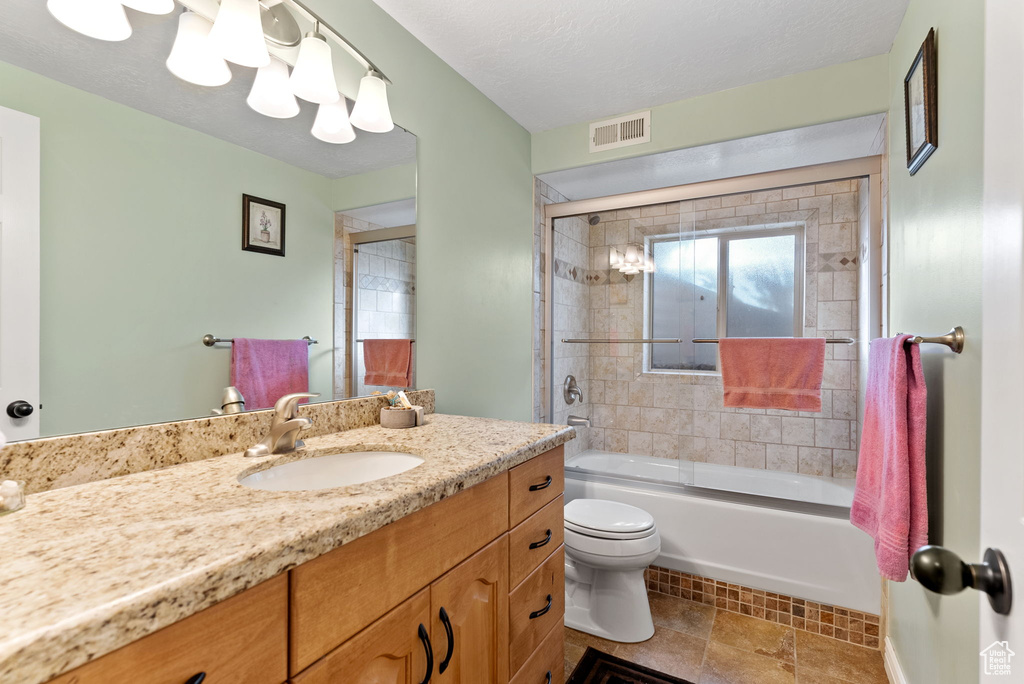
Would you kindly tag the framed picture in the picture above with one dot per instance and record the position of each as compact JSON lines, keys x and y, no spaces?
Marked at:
{"x":921,"y":102}
{"x":262,"y":226}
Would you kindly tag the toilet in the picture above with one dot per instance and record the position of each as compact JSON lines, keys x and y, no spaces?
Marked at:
{"x":608,"y":545}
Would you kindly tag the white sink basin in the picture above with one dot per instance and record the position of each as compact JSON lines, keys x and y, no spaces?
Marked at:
{"x":335,"y":470}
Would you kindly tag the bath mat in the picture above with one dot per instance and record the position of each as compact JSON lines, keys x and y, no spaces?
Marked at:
{"x":597,"y":667}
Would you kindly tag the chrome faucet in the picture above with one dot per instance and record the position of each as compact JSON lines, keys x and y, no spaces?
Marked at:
{"x":577,"y":421}
{"x":571,"y":391}
{"x":285,"y":428}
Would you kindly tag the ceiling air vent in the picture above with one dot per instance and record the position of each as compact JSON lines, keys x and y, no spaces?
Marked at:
{"x":632,"y":129}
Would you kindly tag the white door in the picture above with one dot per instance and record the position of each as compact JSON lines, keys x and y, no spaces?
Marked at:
{"x":1001,"y":638}
{"x":19,"y":274}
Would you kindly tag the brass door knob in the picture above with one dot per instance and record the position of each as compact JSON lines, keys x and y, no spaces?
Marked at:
{"x":940,"y":570}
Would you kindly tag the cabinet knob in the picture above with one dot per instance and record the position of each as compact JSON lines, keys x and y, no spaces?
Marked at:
{"x":543,"y":485}
{"x":940,"y":570}
{"x":543,"y":611}
{"x":543,"y":542}
{"x":450,"y":634}
{"x":425,"y":638}
{"x":20,"y":409}
{"x":196,"y":678}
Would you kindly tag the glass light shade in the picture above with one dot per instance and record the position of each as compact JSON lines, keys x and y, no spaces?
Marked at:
{"x":372,"y":112}
{"x":193,"y":57}
{"x":332,"y":124}
{"x":101,"y":19}
{"x":271,"y":94}
{"x":313,"y":76}
{"x":632,"y":255}
{"x":150,"y":6}
{"x":615,"y":258}
{"x":238,"y":33}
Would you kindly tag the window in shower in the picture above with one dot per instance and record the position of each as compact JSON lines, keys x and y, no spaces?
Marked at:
{"x":722,"y":284}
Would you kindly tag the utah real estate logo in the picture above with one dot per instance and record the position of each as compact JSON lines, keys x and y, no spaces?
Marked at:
{"x":996,"y":658}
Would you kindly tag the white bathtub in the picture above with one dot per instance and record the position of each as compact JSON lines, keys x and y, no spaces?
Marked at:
{"x":815,"y":557}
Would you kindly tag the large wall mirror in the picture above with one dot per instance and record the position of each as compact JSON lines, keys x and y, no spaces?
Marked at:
{"x":142,"y":248}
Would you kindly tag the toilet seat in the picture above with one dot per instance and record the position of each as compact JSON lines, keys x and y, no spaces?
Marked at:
{"x":603,"y":519}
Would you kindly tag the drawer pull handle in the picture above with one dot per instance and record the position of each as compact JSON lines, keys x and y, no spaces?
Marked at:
{"x":543,"y":611}
{"x":549,"y":678}
{"x":425,"y":638}
{"x":450,"y":633}
{"x":543,"y":542}
{"x":543,"y":485}
{"x":196,"y":678}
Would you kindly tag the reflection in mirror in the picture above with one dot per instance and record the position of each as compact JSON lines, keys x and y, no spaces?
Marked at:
{"x":140,"y":200}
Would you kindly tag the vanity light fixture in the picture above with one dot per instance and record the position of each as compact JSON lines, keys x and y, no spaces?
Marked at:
{"x":631,"y":263}
{"x":150,"y":6}
{"x":371,"y":112}
{"x":193,"y":57}
{"x":271,"y":93}
{"x":332,"y":123}
{"x":214,"y":32}
{"x":313,"y":76}
{"x":101,"y":19}
{"x":238,"y":33}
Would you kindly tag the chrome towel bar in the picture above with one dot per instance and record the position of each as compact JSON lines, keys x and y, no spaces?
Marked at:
{"x":828,"y":340}
{"x":210,"y":340}
{"x":625,"y":341}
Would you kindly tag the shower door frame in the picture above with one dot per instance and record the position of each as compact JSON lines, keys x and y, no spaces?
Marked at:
{"x":863,"y":167}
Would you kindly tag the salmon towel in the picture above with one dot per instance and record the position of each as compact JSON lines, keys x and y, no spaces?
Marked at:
{"x":388,"y":363}
{"x":890,"y":501}
{"x":773,"y":372}
{"x":266,"y":370}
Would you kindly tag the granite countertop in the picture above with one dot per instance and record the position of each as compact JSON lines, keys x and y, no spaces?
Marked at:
{"x":91,"y":568}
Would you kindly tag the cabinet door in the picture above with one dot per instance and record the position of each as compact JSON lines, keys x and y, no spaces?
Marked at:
{"x":393,"y":650}
{"x":469,"y":609}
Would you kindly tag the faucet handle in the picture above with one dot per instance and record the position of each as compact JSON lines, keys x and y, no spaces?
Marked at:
{"x":287,"y":407}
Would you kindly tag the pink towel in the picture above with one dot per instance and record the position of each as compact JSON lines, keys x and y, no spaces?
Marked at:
{"x":891,"y":501}
{"x":266,"y":370}
{"x":773,"y":372}
{"x":388,"y":363}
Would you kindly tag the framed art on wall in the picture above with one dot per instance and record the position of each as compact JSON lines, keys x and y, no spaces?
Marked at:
{"x":921,"y":104}
{"x":262,"y":225}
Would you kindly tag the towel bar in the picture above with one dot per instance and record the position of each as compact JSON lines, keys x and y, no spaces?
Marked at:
{"x":954,"y":339}
{"x":828,"y":340}
{"x":625,"y":341}
{"x":210,"y":340}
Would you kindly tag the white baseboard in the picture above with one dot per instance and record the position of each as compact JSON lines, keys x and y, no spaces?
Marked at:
{"x":892,"y":664}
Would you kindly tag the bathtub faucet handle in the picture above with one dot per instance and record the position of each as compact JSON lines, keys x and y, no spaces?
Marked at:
{"x":571,"y":391}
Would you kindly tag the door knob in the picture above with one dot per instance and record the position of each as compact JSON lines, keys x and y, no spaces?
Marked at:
{"x":19,"y":409}
{"x":940,"y":570}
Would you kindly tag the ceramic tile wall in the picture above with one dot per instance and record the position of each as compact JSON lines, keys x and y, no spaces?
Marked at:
{"x":680,"y":416}
{"x":387,"y":295}
{"x":387,"y":305}
{"x":571,"y":315}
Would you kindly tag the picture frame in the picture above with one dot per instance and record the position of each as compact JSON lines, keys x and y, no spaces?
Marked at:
{"x":263,"y":225}
{"x":921,"y":105}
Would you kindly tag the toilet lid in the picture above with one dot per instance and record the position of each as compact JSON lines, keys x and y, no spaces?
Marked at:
{"x":608,"y":519}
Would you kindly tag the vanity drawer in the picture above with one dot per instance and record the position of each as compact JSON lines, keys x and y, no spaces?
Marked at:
{"x":549,"y":657}
{"x":532,"y":614}
{"x":534,"y":539}
{"x":534,"y":484}
{"x":336,"y":595}
{"x":242,"y":640}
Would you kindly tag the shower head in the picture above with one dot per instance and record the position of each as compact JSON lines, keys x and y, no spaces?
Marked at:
{"x":594,"y":219}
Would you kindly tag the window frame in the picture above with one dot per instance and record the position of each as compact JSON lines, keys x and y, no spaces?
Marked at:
{"x":726,"y":235}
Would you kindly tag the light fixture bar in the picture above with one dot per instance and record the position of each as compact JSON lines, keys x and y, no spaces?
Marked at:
{"x":327,"y":29}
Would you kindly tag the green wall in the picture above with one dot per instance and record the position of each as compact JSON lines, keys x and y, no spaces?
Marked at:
{"x":843,"y":91}
{"x":375,"y":187}
{"x":474,"y":227}
{"x":141,"y":256}
{"x":935,"y":280}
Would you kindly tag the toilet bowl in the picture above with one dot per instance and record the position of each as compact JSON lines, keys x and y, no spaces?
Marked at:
{"x":608,"y":545}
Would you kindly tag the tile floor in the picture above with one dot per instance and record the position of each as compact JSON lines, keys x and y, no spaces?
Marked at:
{"x":710,"y":646}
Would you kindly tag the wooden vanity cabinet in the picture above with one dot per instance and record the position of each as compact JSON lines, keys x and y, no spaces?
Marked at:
{"x":472,"y":584}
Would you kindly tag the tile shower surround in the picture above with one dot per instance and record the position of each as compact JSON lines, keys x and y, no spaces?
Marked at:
{"x":681,"y":416}
{"x":836,"y":622}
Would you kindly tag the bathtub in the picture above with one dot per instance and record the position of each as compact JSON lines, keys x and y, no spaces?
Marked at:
{"x":802,"y":549}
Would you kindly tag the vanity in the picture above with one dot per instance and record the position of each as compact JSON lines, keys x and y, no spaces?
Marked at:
{"x":450,"y":572}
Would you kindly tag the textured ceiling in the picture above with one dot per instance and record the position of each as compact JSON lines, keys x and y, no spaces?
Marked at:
{"x":552,"y":63}
{"x":821,"y":144}
{"x":133,"y":73}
